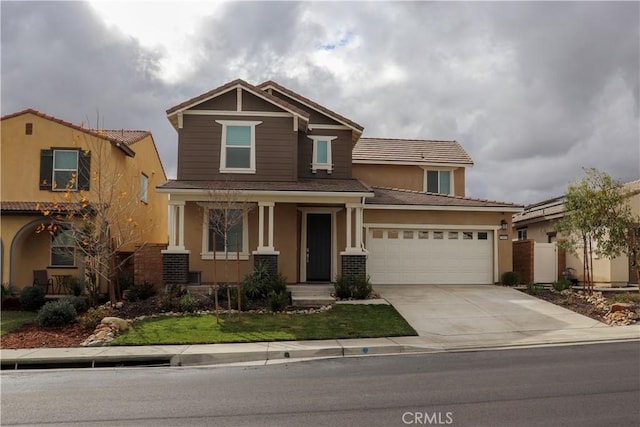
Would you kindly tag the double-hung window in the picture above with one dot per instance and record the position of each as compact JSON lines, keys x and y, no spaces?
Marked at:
{"x":65,"y":170}
{"x":438,"y":181}
{"x":62,"y":249}
{"x":226,"y":233}
{"x":321,"y":156}
{"x":144,"y":188}
{"x":238,"y":146}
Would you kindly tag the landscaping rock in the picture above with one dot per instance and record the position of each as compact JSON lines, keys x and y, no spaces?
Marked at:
{"x":620,"y":306}
{"x":116,"y":322}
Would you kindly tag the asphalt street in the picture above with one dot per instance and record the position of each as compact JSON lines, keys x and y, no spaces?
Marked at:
{"x":584,"y":385}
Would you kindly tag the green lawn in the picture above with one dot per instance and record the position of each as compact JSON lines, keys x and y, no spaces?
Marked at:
{"x":10,"y":320}
{"x":342,"y":321}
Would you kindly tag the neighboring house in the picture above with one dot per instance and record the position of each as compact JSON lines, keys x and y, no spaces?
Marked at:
{"x":315,"y":201}
{"x":40,"y":155}
{"x":537,"y":223}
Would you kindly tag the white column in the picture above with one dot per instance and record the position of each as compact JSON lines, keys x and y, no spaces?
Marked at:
{"x":181,"y":225}
{"x":171,"y":224}
{"x":260,"y":226}
{"x":271,"y":247}
{"x":176,"y":226}
{"x":349,"y":212}
{"x":358,"y":244}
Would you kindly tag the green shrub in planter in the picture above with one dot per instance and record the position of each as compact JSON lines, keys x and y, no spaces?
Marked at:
{"x":343,"y":287}
{"x":278,"y":301}
{"x":140,"y":292}
{"x":256,"y":284}
{"x":510,"y":278}
{"x":561,"y":285}
{"x":278,"y":284}
{"x":361,"y":288}
{"x":188,"y":303}
{"x":56,"y":313}
{"x":32,"y":297}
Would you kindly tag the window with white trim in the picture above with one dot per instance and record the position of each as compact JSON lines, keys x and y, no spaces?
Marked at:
{"x":63,"y":248}
{"x":321,"y":156}
{"x":144,"y":188}
{"x":65,"y":170}
{"x":438,"y":181}
{"x":522,"y":234}
{"x":226,"y":231}
{"x":238,"y":146}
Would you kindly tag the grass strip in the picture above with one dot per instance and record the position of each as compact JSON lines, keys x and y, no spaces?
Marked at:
{"x":11,"y":320}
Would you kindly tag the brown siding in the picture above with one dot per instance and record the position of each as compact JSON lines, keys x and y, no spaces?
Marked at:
{"x":392,"y":176}
{"x":251,"y":102}
{"x":199,"y":149}
{"x":340,"y":155}
{"x":314,"y":116}
{"x":226,"y":101}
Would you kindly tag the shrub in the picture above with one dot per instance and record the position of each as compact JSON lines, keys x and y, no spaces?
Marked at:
{"x":244,"y":302}
{"x":343,"y":287}
{"x":278,"y":301}
{"x":278,"y":284}
{"x":176,"y":290}
{"x":361,"y":288}
{"x":79,"y":303}
{"x":32,"y":297}
{"x":167,"y":302}
{"x":56,"y":313}
{"x":94,"y":316}
{"x":188,"y":303}
{"x":561,"y":285}
{"x":256,"y":284}
{"x":534,"y":289}
{"x":74,"y":286}
{"x":510,"y":278}
{"x":140,"y":292}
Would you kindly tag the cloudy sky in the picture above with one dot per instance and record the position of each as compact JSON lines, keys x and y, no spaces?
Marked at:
{"x":533,"y":91}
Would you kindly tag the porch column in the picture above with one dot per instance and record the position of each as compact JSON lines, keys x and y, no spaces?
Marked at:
{"x":175,"y":259}
{"x":266,"y":254}
{"x":358,"y":243}
{"x":348,"y":240}
{"x":176,"y":237}
{"x":354,"y":258}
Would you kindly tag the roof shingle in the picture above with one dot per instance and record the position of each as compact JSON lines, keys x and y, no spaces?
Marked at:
{"x":310,"y":185}
{"x":395,"y":196}
{"x":410,"y":151}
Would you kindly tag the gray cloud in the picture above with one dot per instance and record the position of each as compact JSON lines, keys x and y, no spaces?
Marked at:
{"x":534,"y":91}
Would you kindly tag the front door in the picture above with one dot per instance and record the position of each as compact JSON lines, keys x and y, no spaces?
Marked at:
{"x":318,"y":247}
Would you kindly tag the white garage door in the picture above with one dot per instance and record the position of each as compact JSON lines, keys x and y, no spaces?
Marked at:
{"x":405,"y":256}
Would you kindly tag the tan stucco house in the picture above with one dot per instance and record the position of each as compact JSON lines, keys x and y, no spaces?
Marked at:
{"x":537,"y":223}
{"x":41,"y":157}
{"x":315,"y":200}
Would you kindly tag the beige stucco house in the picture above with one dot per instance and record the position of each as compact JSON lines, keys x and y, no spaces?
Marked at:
{"x":537,"y":223}
{"x":305,"y":193}
{"x":41,"y":156}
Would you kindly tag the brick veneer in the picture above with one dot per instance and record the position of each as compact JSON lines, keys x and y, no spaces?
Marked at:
{"x":270,"y":260}
{"x":147,"y":264}
{"x":354,"y":266}
{"x":175,"y":268}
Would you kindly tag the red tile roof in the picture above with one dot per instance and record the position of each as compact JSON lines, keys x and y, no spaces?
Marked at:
{"x":36,"y":207}
{"x":310,"y":185}
{"x":271,"y":84}
{"x":410,"y":151}
{"x":395,"y":196}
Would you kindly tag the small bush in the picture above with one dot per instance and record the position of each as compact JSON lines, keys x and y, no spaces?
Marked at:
{"x":534,"y":289}
{"x":74,"y":286}
{"x":561,"y":285}
{"x":278,"y":284}
{"x":56,"y":313}
{"x":94,"y":316}
{"x":140,"y":292}
{"x":32,"y":297}
{"x":244,"y":301}
{"x":361,"y":288}
{"x":510,"y":278}
{"x":188,"y":303}
{"x":343,"y":287}
{"x":256,"y":284}
{"x":176,"y":290}
{"x":278,"y":301}
{"x":79,"y":303}
{"x":167,"y":302}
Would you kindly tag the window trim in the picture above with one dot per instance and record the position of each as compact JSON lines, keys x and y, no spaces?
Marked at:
{"x":315,"y":165}
{"x":522,"y":233}
{"x":144,"y":188}
{"x":439,"y":170}
{"x":206,"y":254}
{"x":252,"y":148}
{"x":75,"y":172}
{"x":52,"y":248}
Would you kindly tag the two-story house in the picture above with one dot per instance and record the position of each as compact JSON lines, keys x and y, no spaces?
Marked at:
{"x":296,"y":186}
{"x":46,"y":164}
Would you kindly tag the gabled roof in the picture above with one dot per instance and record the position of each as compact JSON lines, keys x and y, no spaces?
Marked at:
{"x":410,"y":151}
{"x":270,"y":84}
{"x":399,"y":197}
{"x":233,"y":85}
{"x":121,"y":138}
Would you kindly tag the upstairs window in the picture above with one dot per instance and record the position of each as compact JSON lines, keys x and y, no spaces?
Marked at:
{"x":438,"y":182}
{"x":238,"y":146}
{"x":321,"y":156}
{"x":144,"y":188}
{"x":522,"y":234}
{"x":64,"y":169}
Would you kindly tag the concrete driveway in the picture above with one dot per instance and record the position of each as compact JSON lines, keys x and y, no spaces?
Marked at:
{"x":480,"y":313}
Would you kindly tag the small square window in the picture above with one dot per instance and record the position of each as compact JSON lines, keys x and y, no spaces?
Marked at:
{"x":423,"y":235}
{"x":321,"y":156}
{"x":453,"y":235}
{"x":392,"y":234}
{"x":467,"y":235}
{"x":482,"y":235}
{"x":407,"y":234}
{"x":377,"y":234}
{"x":438,"y":235}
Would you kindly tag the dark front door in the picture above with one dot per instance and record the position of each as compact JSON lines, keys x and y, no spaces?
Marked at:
{"x":318,"y":247}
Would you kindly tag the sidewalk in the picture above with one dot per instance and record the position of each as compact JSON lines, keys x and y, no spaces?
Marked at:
{"x":265,"y":352}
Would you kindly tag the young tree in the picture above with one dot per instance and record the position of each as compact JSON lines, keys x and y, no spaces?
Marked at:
{"x":597,"y":210}
{"x":101,"y":217}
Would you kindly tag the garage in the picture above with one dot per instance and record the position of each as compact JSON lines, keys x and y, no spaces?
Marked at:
{"x":423,"y":256}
